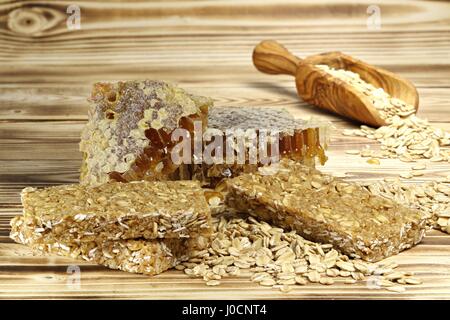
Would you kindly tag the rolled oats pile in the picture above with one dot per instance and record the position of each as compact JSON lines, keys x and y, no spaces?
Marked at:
{"x":431,"y":198}
{"x":406,"y":137}
{"x":282,"y":260}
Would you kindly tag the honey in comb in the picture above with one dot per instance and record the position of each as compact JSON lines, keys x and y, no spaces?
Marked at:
{"x":128,"y":134}
{"x":300,"y":140}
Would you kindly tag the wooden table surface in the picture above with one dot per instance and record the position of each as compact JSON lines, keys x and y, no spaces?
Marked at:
{"x":46,"y":71}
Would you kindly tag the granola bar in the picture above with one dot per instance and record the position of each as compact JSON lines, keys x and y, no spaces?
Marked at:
{"x":133,"y":255}
{"x":300,"y":140}
{"x":115,"y":210}
{"x":128,"y":134}
{"x":325,"y":209}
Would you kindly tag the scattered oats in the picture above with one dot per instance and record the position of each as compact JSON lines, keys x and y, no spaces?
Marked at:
{"x":326,"y":281}
{"x":405,"y":136}
{"x":273,"y":257}
{"x":406,"y":175}
{"x":300,"y":280}
{"x":414,"y":281}
{"x":242,"y":264}
{"x":287,"y":268}
{"x":417,"y":173}
{"x":213,"y":283}
{"x":313,"y":276}
{"x":214,"y":201}
{"x":396,"y":288}
{"x":257,"y":277}
{"x":373,"y":161}
{"x":267,"y":282}
{"x":316,"y":184}
{"x":346,"y":266}
{"x":431,"y":198}
{"x":394,"y":275}
{"x":357,"y":275}
{"x":344,"y":273}
{"x":385,"y":283}
{"x":286,"y":282}
{"x":285,"y":288}
{"x":189,"y":272}
{"x":419,"y":167}
{"x":262,"y":260}
{"x":360,"y":266}
{"x":348,"y":132}
{"x":301,"y":269}
{"x":354,"y":152}
{"x":332,"y":272}
{"x":350,"y":281}
{"x":80,"y":217}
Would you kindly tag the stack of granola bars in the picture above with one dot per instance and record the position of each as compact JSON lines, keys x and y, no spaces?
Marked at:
{"x":143,"y":227}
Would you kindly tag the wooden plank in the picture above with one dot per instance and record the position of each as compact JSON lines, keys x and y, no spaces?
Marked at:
{"x":410,"y":49}
{"x":33,"y":276}
{"x":424,"y":75}
{"x":69,"y":102}
{"x":213,"y":17}
{"x":106,"y":47}
{"x":58,"y":140}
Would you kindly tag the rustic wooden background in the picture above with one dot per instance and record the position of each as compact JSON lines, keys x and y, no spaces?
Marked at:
{"x":46,"y":71}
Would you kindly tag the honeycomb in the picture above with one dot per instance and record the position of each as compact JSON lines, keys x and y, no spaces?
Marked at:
{"x":300,"y":140}
{"x":128,"y":134}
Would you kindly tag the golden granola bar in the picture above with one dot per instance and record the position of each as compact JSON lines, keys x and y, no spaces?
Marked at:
{"x":128,"y":134}
{"x":139,"y":256}
{"x":115,"y":210}
{"x":325,"y":209}
{"x":300,"y":140}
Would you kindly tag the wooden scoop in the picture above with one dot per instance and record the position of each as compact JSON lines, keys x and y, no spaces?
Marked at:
{"x":319,"y":88}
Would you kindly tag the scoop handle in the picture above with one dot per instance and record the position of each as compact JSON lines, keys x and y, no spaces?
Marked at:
{"x":271,"y":57}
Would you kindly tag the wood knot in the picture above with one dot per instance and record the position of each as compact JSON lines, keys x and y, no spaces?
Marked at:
{"x":33,"y":21}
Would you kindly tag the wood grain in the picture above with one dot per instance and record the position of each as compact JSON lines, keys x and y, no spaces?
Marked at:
{"x":46,"y":72}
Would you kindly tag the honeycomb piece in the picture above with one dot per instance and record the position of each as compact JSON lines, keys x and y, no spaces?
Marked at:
{"x":128,"y":134}
{"x":115,"y":210}
{"x":300,"y":140}
{"x":325,"y":209}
